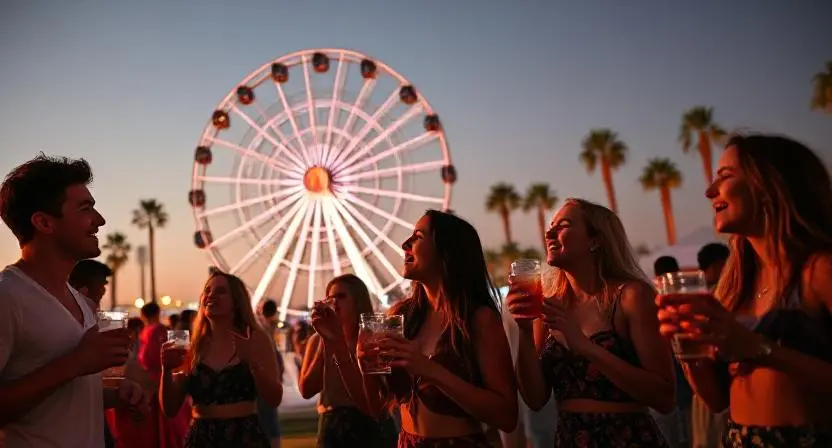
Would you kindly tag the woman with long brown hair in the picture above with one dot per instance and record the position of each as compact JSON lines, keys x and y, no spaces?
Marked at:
{"x":771,"y":318}
{"x":229,"y":364}
{"x":452,"y":369}
{"x":596,"y":346}
{"x":344,"y":421}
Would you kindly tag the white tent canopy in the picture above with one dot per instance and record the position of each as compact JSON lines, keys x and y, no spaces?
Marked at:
{"x":684,"y":251}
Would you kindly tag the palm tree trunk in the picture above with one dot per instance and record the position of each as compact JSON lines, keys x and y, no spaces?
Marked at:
{"x":606,"y":175}
{"x":504,"y":214}
{"x":152,"y":254}
{"x":113,"y":291}
{"x":541,"y":224}
{"x":705,"y":153}
{"x":669,"y":222}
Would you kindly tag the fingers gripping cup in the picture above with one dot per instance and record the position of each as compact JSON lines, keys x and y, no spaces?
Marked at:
{"x":525,"y":274}
{"x":373,"y":327}
{"x":686,"y":282}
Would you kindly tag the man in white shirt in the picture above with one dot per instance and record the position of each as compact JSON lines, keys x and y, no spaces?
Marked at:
{"x":51,"y":352}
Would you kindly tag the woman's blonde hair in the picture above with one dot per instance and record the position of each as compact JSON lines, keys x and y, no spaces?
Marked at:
{"x":615,"y":262}
{"x":242,"y":321}
{"x":790,"y":188}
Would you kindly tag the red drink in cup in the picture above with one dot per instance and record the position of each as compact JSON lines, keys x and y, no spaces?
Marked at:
{"x":525,"y":274}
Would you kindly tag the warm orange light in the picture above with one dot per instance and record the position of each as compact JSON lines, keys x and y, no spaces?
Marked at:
{"x":316,"y":180}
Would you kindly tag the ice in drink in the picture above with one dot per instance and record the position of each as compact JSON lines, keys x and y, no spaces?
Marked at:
{"x":373,"y":327}
{"x":525,"y":274}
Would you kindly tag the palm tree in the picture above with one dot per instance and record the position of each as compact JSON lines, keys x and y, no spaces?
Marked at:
{"x":603,"y":146}
{"x":699,"y":121}
{"x":542,"y":199}
{"x":503,"y":200}
{"x":663,"y":175}
{"x":150,"y":215}
{"x":822,"y":89}
{"x":118,"y":249}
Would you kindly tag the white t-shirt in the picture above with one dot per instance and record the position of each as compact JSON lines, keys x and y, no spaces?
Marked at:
{"x":35,"y":329}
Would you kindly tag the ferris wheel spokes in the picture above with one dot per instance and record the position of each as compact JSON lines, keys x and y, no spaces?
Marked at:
{"x":415,"y":109}
{"x":310,"y":101}
{"x":336,"y":90}
{"x":300,"y":245}
{"x":281,"y":223}
{"x":384,"y":214}
{"x":401,"y":147}
{"x":313,"y":254}
{"x":368,"y":224}
{"x":292,"y":181}
{"x":291,"y":115}
{"x":357,"y":105}
{"x":249,"y":202}
{"x":257,"y":220}
{"x":393,"y":171}
{"x":262,"y":158}
{"x":291,"y":151}
{"x":279,"y":255}
{"x":393,"y":194}
{"x":263,"y":134}
{"x":368,"y":126}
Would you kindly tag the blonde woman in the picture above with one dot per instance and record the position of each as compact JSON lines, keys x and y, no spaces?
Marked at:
{"x":229,"y":364}
{"x":596,"y":345}
{"x":344,"y":421}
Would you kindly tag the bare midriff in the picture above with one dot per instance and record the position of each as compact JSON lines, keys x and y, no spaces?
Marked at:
{"x":766,"y":397}
{"x":422,"y":421}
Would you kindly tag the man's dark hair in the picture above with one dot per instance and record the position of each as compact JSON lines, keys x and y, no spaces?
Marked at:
{"x":151,"y":310}
{"x":712,"y":253}
{"x":39,"y":185}
{"x":87,"y":271}
{"x":664,"y":265}
{"x":269,"y":308}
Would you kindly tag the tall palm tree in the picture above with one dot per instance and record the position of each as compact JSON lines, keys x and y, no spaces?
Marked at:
{"x":602,"y":146}
{"x":540,"y":198}
{"x":822,"y":89}
{"x":150,"y":215}
{"x":119,"y":250}
{"x":663,"y":175}
{"x":503,"y":200}
{"x":699,"y":122}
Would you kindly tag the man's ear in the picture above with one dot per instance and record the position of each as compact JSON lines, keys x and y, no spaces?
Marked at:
{"x":43,"y":222}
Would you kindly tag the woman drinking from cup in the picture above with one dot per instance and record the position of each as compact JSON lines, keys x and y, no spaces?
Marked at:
{"x":343,"y":421}
{"x":596,"y":345}
{"x":770,"y":319}
{"x":451,"y":371}
{"x":230,"y":362}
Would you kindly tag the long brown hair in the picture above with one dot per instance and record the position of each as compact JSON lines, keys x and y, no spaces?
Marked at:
{"x":466,"y":285}
{"x":358,"y":291}
{"x":791,"y":188}
{"x":615,"y":261}
{"x":242,"y":321}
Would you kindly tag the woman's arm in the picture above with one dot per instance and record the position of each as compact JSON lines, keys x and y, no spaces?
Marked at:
{"x":705,"y":381}
{"x":264,"y":369}
{"x":495,"y":404}
{"x":311,"y":378}
{"x":171,"y":392}
{"x":651,"y":384}
{"x":533,"y":386}
{"x":354,"y":381}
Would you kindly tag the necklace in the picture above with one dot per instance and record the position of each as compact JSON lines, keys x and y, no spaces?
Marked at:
{"x":762,"y":292}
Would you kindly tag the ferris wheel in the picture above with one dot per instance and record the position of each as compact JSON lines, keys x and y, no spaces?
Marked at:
{"x":314,"y":165}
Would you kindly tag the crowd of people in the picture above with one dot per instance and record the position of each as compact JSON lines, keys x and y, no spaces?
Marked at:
{"x":592,"y":366}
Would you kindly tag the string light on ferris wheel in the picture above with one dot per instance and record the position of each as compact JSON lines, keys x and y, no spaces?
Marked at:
{"x":320,"y":184}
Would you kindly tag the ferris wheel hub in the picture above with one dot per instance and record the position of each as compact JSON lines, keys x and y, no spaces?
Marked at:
{"x":317,"y":180}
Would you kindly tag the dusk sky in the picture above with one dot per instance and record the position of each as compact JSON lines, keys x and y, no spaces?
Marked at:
{"x":129,"y":86}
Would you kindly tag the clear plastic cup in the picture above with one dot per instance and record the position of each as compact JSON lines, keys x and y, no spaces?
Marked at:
{"x":686,"y":282}
{"x":374,"y":326}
